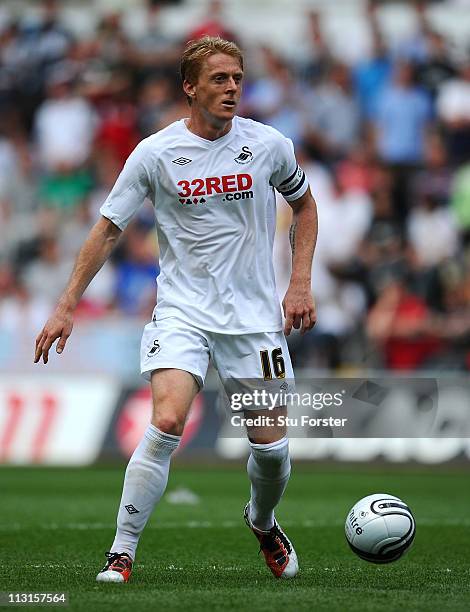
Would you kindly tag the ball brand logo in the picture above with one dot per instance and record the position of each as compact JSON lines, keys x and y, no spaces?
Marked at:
{"x":354,"y":523}
{"x":245,"y":156}
{"x":232,"y":186}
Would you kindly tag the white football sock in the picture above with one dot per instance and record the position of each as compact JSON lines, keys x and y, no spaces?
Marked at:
{"x":144,"y":484}
{"x":269,"y":470}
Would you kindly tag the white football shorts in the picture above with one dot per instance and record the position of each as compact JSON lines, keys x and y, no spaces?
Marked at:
{"x":172,"y":343}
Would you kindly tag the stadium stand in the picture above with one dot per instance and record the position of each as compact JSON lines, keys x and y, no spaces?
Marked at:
{"x":375,"y":96}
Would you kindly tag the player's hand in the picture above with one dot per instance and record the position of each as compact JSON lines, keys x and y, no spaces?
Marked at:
{"x":299,"y":308}
{"x":59,"y":326}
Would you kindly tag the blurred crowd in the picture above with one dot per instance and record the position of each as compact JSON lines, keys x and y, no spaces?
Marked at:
{"x":385,"y":142}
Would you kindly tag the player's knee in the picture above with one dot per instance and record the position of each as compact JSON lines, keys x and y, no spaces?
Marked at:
{"x":169,"y":414}
{"x":169,"y":422}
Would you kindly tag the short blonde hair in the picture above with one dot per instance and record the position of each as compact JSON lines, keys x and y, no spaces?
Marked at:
{"x":197,"y":51}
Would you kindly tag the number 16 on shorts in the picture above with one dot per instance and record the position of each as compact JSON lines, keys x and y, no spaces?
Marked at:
{"x":278,"y":367}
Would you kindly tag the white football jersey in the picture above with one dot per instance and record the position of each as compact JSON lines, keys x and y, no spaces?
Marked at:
{"x":215,"y":213}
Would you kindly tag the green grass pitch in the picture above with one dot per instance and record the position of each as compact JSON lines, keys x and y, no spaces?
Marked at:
{"x":56,"y":524}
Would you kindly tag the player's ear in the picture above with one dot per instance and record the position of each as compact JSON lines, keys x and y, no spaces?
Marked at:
{"x":189,"y":89}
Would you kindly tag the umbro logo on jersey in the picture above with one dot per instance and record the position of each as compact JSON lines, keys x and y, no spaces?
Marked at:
{"x":131,"y":509}
{"x":245,"y":156}
{"x":181,"y":161}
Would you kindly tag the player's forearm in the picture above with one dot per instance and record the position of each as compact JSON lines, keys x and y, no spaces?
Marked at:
{"x":303,"y":238}
{"x":95,"y":251}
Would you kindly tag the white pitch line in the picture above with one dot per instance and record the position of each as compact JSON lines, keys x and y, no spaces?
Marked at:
{"x":305,"y":524}
{"x":230,"y":568}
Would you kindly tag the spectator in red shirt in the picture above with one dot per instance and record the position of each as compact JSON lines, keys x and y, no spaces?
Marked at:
{"x":399,"y":323}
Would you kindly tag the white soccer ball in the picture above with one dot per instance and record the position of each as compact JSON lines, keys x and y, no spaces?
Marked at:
{"x":380,"y":528}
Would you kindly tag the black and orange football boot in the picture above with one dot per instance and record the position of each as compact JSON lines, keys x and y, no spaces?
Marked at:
{"x":118,"y":568}
{"x":276,"y":547}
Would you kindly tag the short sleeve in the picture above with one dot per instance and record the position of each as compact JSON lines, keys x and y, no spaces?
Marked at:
{"x":288,"y":177}
{"x":131,"y":188}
